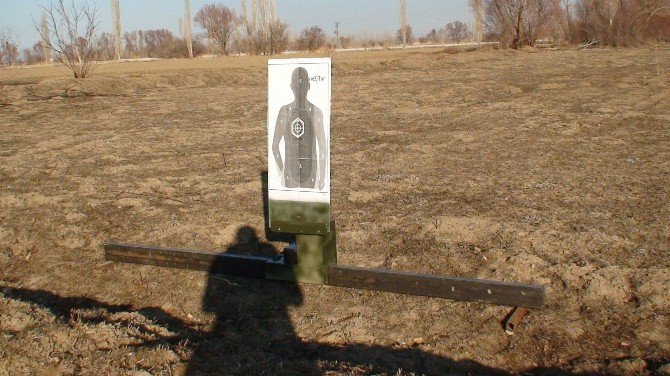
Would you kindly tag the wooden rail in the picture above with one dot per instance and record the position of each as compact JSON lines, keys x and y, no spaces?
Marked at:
{"x":221,"y":263}
{"x":455,"y":288}
{"x":438,"y":286}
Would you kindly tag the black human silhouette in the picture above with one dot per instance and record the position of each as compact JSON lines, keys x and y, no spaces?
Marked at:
{"x":300,"y":125}
{"x":243,"y":309}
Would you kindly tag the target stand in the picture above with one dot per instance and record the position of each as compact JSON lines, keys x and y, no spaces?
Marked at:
{"x":298,"y":203}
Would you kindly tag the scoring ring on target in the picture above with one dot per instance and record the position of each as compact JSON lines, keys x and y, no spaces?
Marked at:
{"x":297,"y":128}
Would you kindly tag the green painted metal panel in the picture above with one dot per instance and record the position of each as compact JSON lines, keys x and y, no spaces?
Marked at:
{"x":315,"y":254}
{"x":299,"y":217}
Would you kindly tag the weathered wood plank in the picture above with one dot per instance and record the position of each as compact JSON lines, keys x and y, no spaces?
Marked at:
{"x":455,"y":288}
{"x":223,"y":263}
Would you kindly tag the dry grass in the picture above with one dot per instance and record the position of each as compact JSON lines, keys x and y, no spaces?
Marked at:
{"x":534,"y":166}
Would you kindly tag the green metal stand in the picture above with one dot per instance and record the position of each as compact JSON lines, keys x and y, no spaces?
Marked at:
{"x":307,"y":260}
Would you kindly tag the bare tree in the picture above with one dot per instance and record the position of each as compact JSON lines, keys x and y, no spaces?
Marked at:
{"x":477,"y":7}
{"x":345,"y":42}
{"x":159,"y":43}
{"x":650,"y":9}
{"x":655,"y":14}
{"x":219,"y":22}
{"x":516,"y":23}
{"x":33,"y":55}
{"x":431,"y":36}
{"x":456,"y":31}
{"x":278,"y":36}
{"x":264,"y":32}
{"x":253,"y":27}
{"x":312,"y":38}
{"x":9,"y":48}
{"x":404,"y":26}
{"x":337,"y":33}
{"x":46,"y":38}
{"x":405,"y":35}
{"x":106,"y":47}
{"x":71,"y":34}
{"x":134,"y":43}
{"x":248,"y":27}
{"x":116,"y":26}
{"x":617,"y":23}
{"x":187,"y":28}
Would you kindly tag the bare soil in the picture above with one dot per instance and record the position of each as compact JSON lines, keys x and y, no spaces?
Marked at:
{"x":548,"y":167}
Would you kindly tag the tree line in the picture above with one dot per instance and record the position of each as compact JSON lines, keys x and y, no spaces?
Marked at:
{"x":69,"y":30}
{"x":517,"y":23}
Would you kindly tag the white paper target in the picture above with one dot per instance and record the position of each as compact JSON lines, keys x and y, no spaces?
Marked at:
{"x":299,"y":130}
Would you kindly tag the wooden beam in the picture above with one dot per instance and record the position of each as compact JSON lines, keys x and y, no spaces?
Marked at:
{"x":455,"y":288}
{"x":221,"y":263}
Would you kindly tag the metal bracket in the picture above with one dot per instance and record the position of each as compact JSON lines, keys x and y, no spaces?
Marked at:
{"x":306,"y":260}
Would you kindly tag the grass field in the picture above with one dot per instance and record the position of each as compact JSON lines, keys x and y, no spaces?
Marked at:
{"x":548,"y":167}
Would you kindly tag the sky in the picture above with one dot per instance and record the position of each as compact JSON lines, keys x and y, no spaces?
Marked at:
{"x":357,"y":17}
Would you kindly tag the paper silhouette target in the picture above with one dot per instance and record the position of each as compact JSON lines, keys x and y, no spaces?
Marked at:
{"x":298,"y":128}
{"x":299,"y":131}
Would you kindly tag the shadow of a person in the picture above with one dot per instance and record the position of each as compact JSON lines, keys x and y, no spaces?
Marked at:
{"x":252,"y":332}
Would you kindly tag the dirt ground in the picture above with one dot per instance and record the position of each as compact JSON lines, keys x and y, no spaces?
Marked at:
{"x":548,"y":167}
